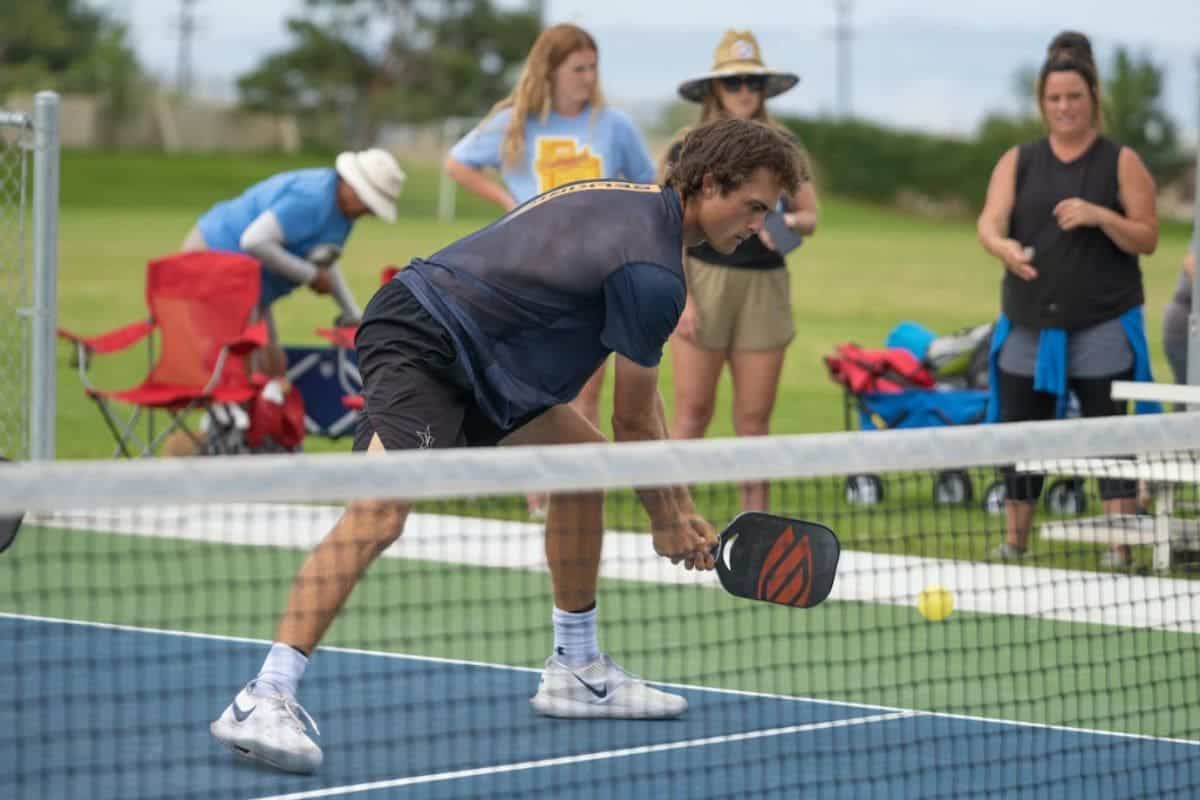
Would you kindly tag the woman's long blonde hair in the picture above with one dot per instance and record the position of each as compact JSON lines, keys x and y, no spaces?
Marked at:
{"x":533,"y":94}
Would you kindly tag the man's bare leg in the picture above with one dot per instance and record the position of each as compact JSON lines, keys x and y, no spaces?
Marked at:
{"x":587,"y":404}
{"x":264,"y":721}
{"x":579,"y":681}
{"x":575,"y":522}
{"x":333,"y":569}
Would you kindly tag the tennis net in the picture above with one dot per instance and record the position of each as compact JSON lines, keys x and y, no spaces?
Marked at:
{"x":140,"y":596}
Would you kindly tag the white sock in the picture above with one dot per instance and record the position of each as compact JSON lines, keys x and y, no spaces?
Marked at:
{"x":575,"y":637}
{"x":283,"y":669}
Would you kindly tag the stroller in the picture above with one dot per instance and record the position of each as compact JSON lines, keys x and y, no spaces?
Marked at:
{"x":921,"y":380}
{"x":891,"y":388}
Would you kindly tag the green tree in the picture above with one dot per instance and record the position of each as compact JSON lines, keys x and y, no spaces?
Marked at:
{"x":362,"y":61}
{"x":1134,"y":114}
{"x":323,"y":78}
{"x":67,"y":46}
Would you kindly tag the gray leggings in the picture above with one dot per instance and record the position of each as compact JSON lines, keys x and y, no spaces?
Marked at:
{"x":1175,"y":338}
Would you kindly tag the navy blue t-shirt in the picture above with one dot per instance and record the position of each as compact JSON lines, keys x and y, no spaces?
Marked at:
{"x":537,"y":300}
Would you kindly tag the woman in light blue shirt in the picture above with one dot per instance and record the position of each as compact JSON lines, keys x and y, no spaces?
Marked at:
{"x":552,"y":129}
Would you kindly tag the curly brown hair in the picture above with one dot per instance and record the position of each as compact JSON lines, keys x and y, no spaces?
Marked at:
{"x":731,"y":150}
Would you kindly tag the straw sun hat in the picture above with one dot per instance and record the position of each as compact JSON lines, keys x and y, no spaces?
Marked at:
{"x":375,"y":177}
{"x":738,"y":54}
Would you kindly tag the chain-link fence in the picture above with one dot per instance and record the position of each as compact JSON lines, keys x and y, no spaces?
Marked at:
{"x":16,"y":284}
{"x":28,"y":267}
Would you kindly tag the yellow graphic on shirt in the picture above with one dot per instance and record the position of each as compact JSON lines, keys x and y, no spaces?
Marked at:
{"x":560,"y":160}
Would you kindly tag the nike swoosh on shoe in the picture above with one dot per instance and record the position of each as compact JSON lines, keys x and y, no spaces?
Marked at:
{"x":239,"y":714}
{"x":600,"y":692}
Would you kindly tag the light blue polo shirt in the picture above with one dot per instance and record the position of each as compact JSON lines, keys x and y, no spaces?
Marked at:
{"x":305,"y":203}
{"x":560,"y":150}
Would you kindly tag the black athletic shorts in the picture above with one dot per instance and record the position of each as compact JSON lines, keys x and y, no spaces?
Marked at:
{"x":417,"y":394}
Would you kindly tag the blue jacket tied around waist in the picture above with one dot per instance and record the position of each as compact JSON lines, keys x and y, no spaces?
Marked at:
{"x":1050,"y":370}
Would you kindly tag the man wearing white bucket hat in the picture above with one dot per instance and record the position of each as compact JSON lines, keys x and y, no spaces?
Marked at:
{"x":295,"y":223}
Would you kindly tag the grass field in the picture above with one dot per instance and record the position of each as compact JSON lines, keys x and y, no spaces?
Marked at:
{"x":865,"y":270}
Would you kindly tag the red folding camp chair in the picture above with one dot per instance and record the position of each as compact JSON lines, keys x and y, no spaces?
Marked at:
{"x":201,"y":306}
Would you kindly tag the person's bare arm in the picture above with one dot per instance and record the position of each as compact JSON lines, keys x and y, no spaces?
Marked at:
{"x":342,"y":295}
{"x":992,"y":225}
{"x":678,"y":532}
{"x":1135,"y":231}
{"x":802,"y":210}
{"x":477,"y":182}
{"x":801,"y":214}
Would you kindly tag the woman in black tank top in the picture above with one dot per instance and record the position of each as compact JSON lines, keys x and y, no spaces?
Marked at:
{"x":1068,"y":215}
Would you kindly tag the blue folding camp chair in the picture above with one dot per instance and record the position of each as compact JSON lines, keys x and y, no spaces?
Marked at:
{"x":325,"y":376}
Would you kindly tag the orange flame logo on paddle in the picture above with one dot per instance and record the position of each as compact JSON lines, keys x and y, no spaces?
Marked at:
{"x":786,"y":574}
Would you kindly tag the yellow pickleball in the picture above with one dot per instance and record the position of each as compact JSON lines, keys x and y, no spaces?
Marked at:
{"x":935,"y":603}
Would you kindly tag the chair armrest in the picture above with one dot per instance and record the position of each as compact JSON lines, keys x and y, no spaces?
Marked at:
{"x":341,"y":336}
{"x":252,"y":338}
{"x":112,"y":341}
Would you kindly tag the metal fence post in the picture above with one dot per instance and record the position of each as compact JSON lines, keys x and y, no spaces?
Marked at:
{"x":42,"y":397}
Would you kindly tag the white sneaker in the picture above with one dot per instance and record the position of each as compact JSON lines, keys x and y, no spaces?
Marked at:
{"x":601,"y":689}
{"x":269,"y":728}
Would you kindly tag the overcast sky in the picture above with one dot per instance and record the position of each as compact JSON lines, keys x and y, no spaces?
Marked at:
{"x":936,"y":64}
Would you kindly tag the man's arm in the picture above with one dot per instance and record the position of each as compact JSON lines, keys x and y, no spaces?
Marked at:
{"x":638,"y":416}
{"x":343,"y":296}
{"x":263,"y":239}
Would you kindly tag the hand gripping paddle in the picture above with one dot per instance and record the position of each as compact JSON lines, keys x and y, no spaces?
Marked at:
{"x":9,"y":523}
{"x":777,"y":559}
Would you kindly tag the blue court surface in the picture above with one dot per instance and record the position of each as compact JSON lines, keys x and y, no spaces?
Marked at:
{"x":100,"y":712}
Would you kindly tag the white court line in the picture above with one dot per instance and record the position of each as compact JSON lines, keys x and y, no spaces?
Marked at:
{"x":334,"y":791}
{"x":1045,"y":593}
{"x":428,"y":659}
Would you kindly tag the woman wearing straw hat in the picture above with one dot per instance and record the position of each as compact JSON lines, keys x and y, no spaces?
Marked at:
{"x":296,"y":223}
{"x":739,"y":308}
{"x":552,"y":129}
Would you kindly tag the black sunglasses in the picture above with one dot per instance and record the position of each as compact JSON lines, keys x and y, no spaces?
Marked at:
{"x":755,"y":83}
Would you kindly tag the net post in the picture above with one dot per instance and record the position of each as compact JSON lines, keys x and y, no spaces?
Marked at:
{"x":42,"y":396}
{"x":447,"y":191}
{"x":1193,"y":351}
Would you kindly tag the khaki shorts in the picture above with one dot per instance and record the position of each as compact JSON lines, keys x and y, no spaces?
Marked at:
{"x":741,"y":309}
